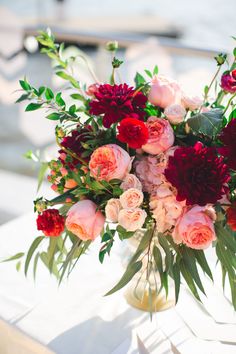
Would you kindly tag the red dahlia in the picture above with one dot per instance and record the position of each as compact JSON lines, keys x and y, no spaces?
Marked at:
{"x":132,"y":132}
{"x":117,"y":102}
{"x":50,"y":222}
{"x":228,"y":138}
{"x":198,"y":174}
{"x":231,"y":216}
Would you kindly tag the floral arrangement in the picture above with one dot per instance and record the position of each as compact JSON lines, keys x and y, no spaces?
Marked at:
{"x":147,"y":157}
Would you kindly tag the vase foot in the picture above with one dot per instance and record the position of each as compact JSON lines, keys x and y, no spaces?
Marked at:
{"x":158,"y":302}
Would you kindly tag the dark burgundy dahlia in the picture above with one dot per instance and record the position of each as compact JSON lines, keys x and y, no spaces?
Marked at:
{"x":198,"y":174}
{"x":228,"y":138}
{"x":117,"y":102}
{"x":228,"y":81}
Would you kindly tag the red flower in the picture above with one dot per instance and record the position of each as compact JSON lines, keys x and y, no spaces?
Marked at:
{"x":50,"y":222}
{"x":228,"y":81}
{"x":132,"y":132}
{"x":231,"y":216}
{"x":228,"y":138}
{"x":117,"y":102}
{"x":73,"y":143}
{"x":198,"y":174}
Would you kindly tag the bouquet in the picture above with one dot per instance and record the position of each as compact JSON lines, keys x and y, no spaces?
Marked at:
{"x":143,"y":157}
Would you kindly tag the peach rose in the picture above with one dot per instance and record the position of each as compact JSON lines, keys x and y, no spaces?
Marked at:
{"x":84,"y":220}
{"x":195,"y":228}
{"x":191,"y":102}
{"x":161,"y":136}
{"x":131,"y":181}
{"x":132,"y":198}
{"x":109,"y":162}
{"x":164,"y":92}
{"x":175,"y":113}
{"x":132,"y":219}
{"x":112,"y":209}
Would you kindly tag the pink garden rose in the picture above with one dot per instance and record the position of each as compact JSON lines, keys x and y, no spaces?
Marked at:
{"x":84,"y":220}
{"x":131,"y":181}
{"x":161,"y":136}
{"x":109,"y":162}
{"x":132,"y":219}
{"x":164,"y":92}
{"x":112,"y":209}
{"x":195,"y":228}
{"x":175,"y":113}
{"x":191,"y":102}
{"x":132,"y":198}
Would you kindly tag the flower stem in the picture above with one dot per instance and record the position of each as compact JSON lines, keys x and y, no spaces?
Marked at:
{"x":231,"y":99}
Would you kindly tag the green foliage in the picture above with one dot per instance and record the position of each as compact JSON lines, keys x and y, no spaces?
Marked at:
{"x":208,"y":123}
{"x":116,"y":63}
{"x":107,"y":238}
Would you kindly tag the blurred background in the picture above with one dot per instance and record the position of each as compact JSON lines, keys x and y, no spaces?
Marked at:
{"x":181,"y":37}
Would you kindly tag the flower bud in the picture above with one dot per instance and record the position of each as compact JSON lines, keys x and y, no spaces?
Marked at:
{"x":112,"y":46}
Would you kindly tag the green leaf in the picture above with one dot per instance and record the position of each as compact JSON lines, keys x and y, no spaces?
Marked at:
{"x":189,"y":280}
{"x":176,"y":278}
{"x":54,"y":116}
{"x":22,"y":98}
{"x":165,"y":245}
{"x":155,"y":70}
{"x":224,"y":258}
{"x":51,"y":252}
{"x":49,"y":94}
{"x":25,"y":85}
{"x":190,"y":263}
{"x":59,"y":100}
{"x":33,"y":107}
{"x":232,"y":283}
{"x":31,"y":251}
{"x":36,"y":258}
{"x":131,"y":270}
{"x":143,"y":245}
{"x":12,"y":258}
{"x":227,"y":236}
{"x":148,"y":72}
{"x":69,"y":258}
{"x":207,"y":123}
{"x":77,"y":96}
{"x":201,"y":259}
{"x":18,"y":265}
{"x":139,"y":80}
{"x":72,"y":109}
{"x":42,"y":171}
{"x":158,"y":259}
{"x":69,"y":78}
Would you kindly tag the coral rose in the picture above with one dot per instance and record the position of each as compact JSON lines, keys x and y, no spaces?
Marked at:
{"x":131,"y":181}
{"x":191,"y":102}
{"x":164,"y":92}
{"x":175,"y":113}
{"x":132,"y":219}
{"x":195,"y":228}
{"x":109,"y":162}
{"x":84,"y":220}
{"x":132,"y":198}
{"x":112,"y":209}
{"x":161,"y":136}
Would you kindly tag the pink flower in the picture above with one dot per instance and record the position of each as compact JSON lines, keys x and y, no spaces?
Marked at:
{"x":109,"y":162}
{"x":92,"y":89}
{"x":132,"y":198}
{"x":164,"y":92}
{"x":84,"y":220}
{"x":191,"y":102}
{"x":175,"y":113}
{"x":195,"y":228}
{"x":165,"y":208}
{"x":112,"y":209}
{"x":161,"y":136}
{"x":132,"y":219}
{"x":131,"y":181}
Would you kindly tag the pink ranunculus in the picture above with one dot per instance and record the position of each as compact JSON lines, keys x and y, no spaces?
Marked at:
{"x":165,"y":208}
{"x":132,"y":219}
{"x":132,"y":198}
{"x":92,"y":89}
{"x":195,"y":228}
{"x":191,"y":102}
{"x":109,"y":162}
{"x":161,"y":136}
{"x":112,"y":209}
{"x":175,"y":113}
{"x":84,"y":220}
{"x":131,"y":181}
{"x":164,"y":92}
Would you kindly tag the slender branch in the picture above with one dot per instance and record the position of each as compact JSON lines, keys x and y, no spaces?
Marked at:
{"x":231,"y":99}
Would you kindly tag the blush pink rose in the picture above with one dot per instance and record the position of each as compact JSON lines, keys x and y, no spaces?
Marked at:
{"x":132,"y":219}
{"x":191,"y":102}
{"x":164,"y":92}
{"x":109,"y":162}
{"x":132,"y":198}
{"x":161,"y":136}
{"x":112,"y":209}
{"x":195,"y":228}
{"x":131,"y":181}
{"x":175,"y":113}
{"x":84,"y":220}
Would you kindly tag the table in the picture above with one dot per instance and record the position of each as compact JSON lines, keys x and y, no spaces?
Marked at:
{"x":76,"y":319}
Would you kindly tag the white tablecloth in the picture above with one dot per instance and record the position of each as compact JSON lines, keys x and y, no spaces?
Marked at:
{"x":76,"y":319}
